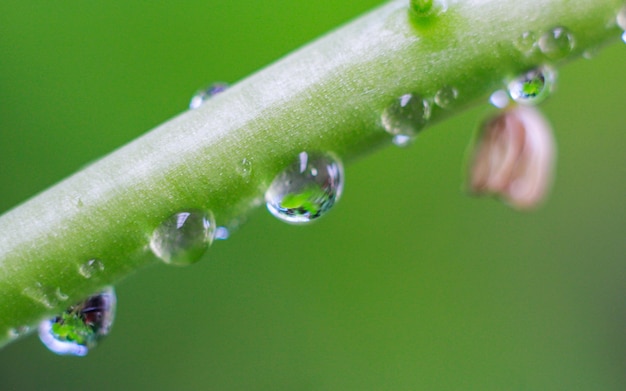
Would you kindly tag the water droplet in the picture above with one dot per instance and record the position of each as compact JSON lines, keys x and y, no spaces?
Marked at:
{"x":557,"y":43}
{"x":81,"y":326}
{"x":245,"y":168}
{"x":48,"y":296}
{"x":446,"y":96}
{"x":222,"y":233}
{"x":203,"y":95}
{"x":90,"y":268}
{"x":624,"y":37}
{"x":621,"y":18}
{"x":16,"y":332}
{"x":183,"y":238}
{"x":499,"y":99}
{"x":427,"y":8}
{"x":533,"y":86}
{"x":526,"y":43}
{"x":306,"y":189}
{"x":406,"y":117}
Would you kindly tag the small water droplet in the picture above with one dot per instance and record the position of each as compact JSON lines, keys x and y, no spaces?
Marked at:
{"x":557,"y":43}
{"x":203,"y":95}
{"x":16,"y":332}
{"x":533,"y":86}
{"x":526,"y":43}
{"x":446,"y":96}
{"x":183,"y":238}
{"x":406,"y":117}
{"x":90,"y":268}
{"x":49,"y":297}
{"x":222,"y":233}
{"x":245,"y":168}
{"x":307,"y":189}
{"x":499,"y":99}
{"x":621,"y":18}
{"x":81,"y":326}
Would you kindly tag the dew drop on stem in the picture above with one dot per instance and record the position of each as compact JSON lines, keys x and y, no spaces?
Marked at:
{"x":556,"y":43}
{"x":82,"y":326}
{"x":405,"y":117}
{"x":91,"y":268}
{"x":533,"y":86}
{"x":183,"y":238}
{"x":307,"y":189}
{"x":207,"y":93}
{"x":446,"y":97}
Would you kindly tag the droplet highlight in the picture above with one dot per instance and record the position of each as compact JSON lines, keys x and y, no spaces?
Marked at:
{"x":81,"y":327}
{"x":406,"y":117}
{"x":499,"y":99}
{"x":533,"y":86}
{"x":307,"y":189}
{"x":526,"y":43}
{"x":183,"y":238}
{"x":207,"y":93}
{"x":446,"y":96}
{"x":557,"y":43}
{"x":16,"y":332}
{"x":91,"y":268}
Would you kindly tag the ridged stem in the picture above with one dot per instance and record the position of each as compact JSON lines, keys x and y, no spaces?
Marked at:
{"x":327,"y":96}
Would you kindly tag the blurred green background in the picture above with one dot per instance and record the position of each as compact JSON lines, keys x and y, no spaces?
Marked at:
{"x":407,"y":285}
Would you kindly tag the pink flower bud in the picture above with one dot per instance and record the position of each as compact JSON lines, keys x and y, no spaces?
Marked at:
{"x":514,"y":157}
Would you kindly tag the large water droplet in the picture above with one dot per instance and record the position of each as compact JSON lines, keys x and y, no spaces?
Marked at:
{"x":446,"y":96}
{"x":406,"y":117}
{"x":533,"y":86}
{"x":183,"y":238}
{"x":205,"y":94}
{"x":81,"y":326}
{"x":91,"y":267}
{"x":557,"y":43}
{"x":306,"y":189}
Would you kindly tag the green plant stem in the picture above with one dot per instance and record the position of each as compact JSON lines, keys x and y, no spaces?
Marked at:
{"x":328,"y":96}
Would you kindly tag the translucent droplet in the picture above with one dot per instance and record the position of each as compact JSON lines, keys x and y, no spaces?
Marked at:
{"x":48,"y":296}
{"x":245,"y":168}
{"x":16,"y":332}
{"x":532,"y":87}
{"x":446,"y":96}
{"x":427,"y":8}
{"x":183,"y":238}
{"x":222,"y":233}
{"x":499,"y":99}
{"x":526,"y":43}
{"x":557,"y":43}
{"x":307,"y":189}
{"x":406,"y":117}
{"x":90,"y":268}
{"x":81,"y":326}
{"x":203,"y":95}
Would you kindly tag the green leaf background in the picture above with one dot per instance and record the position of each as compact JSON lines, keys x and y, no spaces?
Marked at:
{"x":408,"y":284}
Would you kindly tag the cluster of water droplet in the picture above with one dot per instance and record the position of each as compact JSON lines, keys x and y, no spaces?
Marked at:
{"x":184,"y":237}
{"x":306,"y":189}
{"x":79,"y":328}
{"x":207,"y":93}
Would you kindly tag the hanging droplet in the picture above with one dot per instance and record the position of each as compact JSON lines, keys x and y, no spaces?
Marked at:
{"x":427,"y":8}
{"x":183,"y":238}
{"x":307,"y":189}
{"x":81,"y":326}
{"x":533,"y":86}
{"x":557,"y":43}
{"x":90,"y":268}
{"x":514,"y":157}
{"x":526,"y":43}
{"x":499,"y":99}
{"x":406,"y":117}
{"x":202,"y":96}
{"x":446,"y":96}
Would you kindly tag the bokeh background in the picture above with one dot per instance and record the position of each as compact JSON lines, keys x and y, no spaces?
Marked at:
{"x":407,"y":285}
